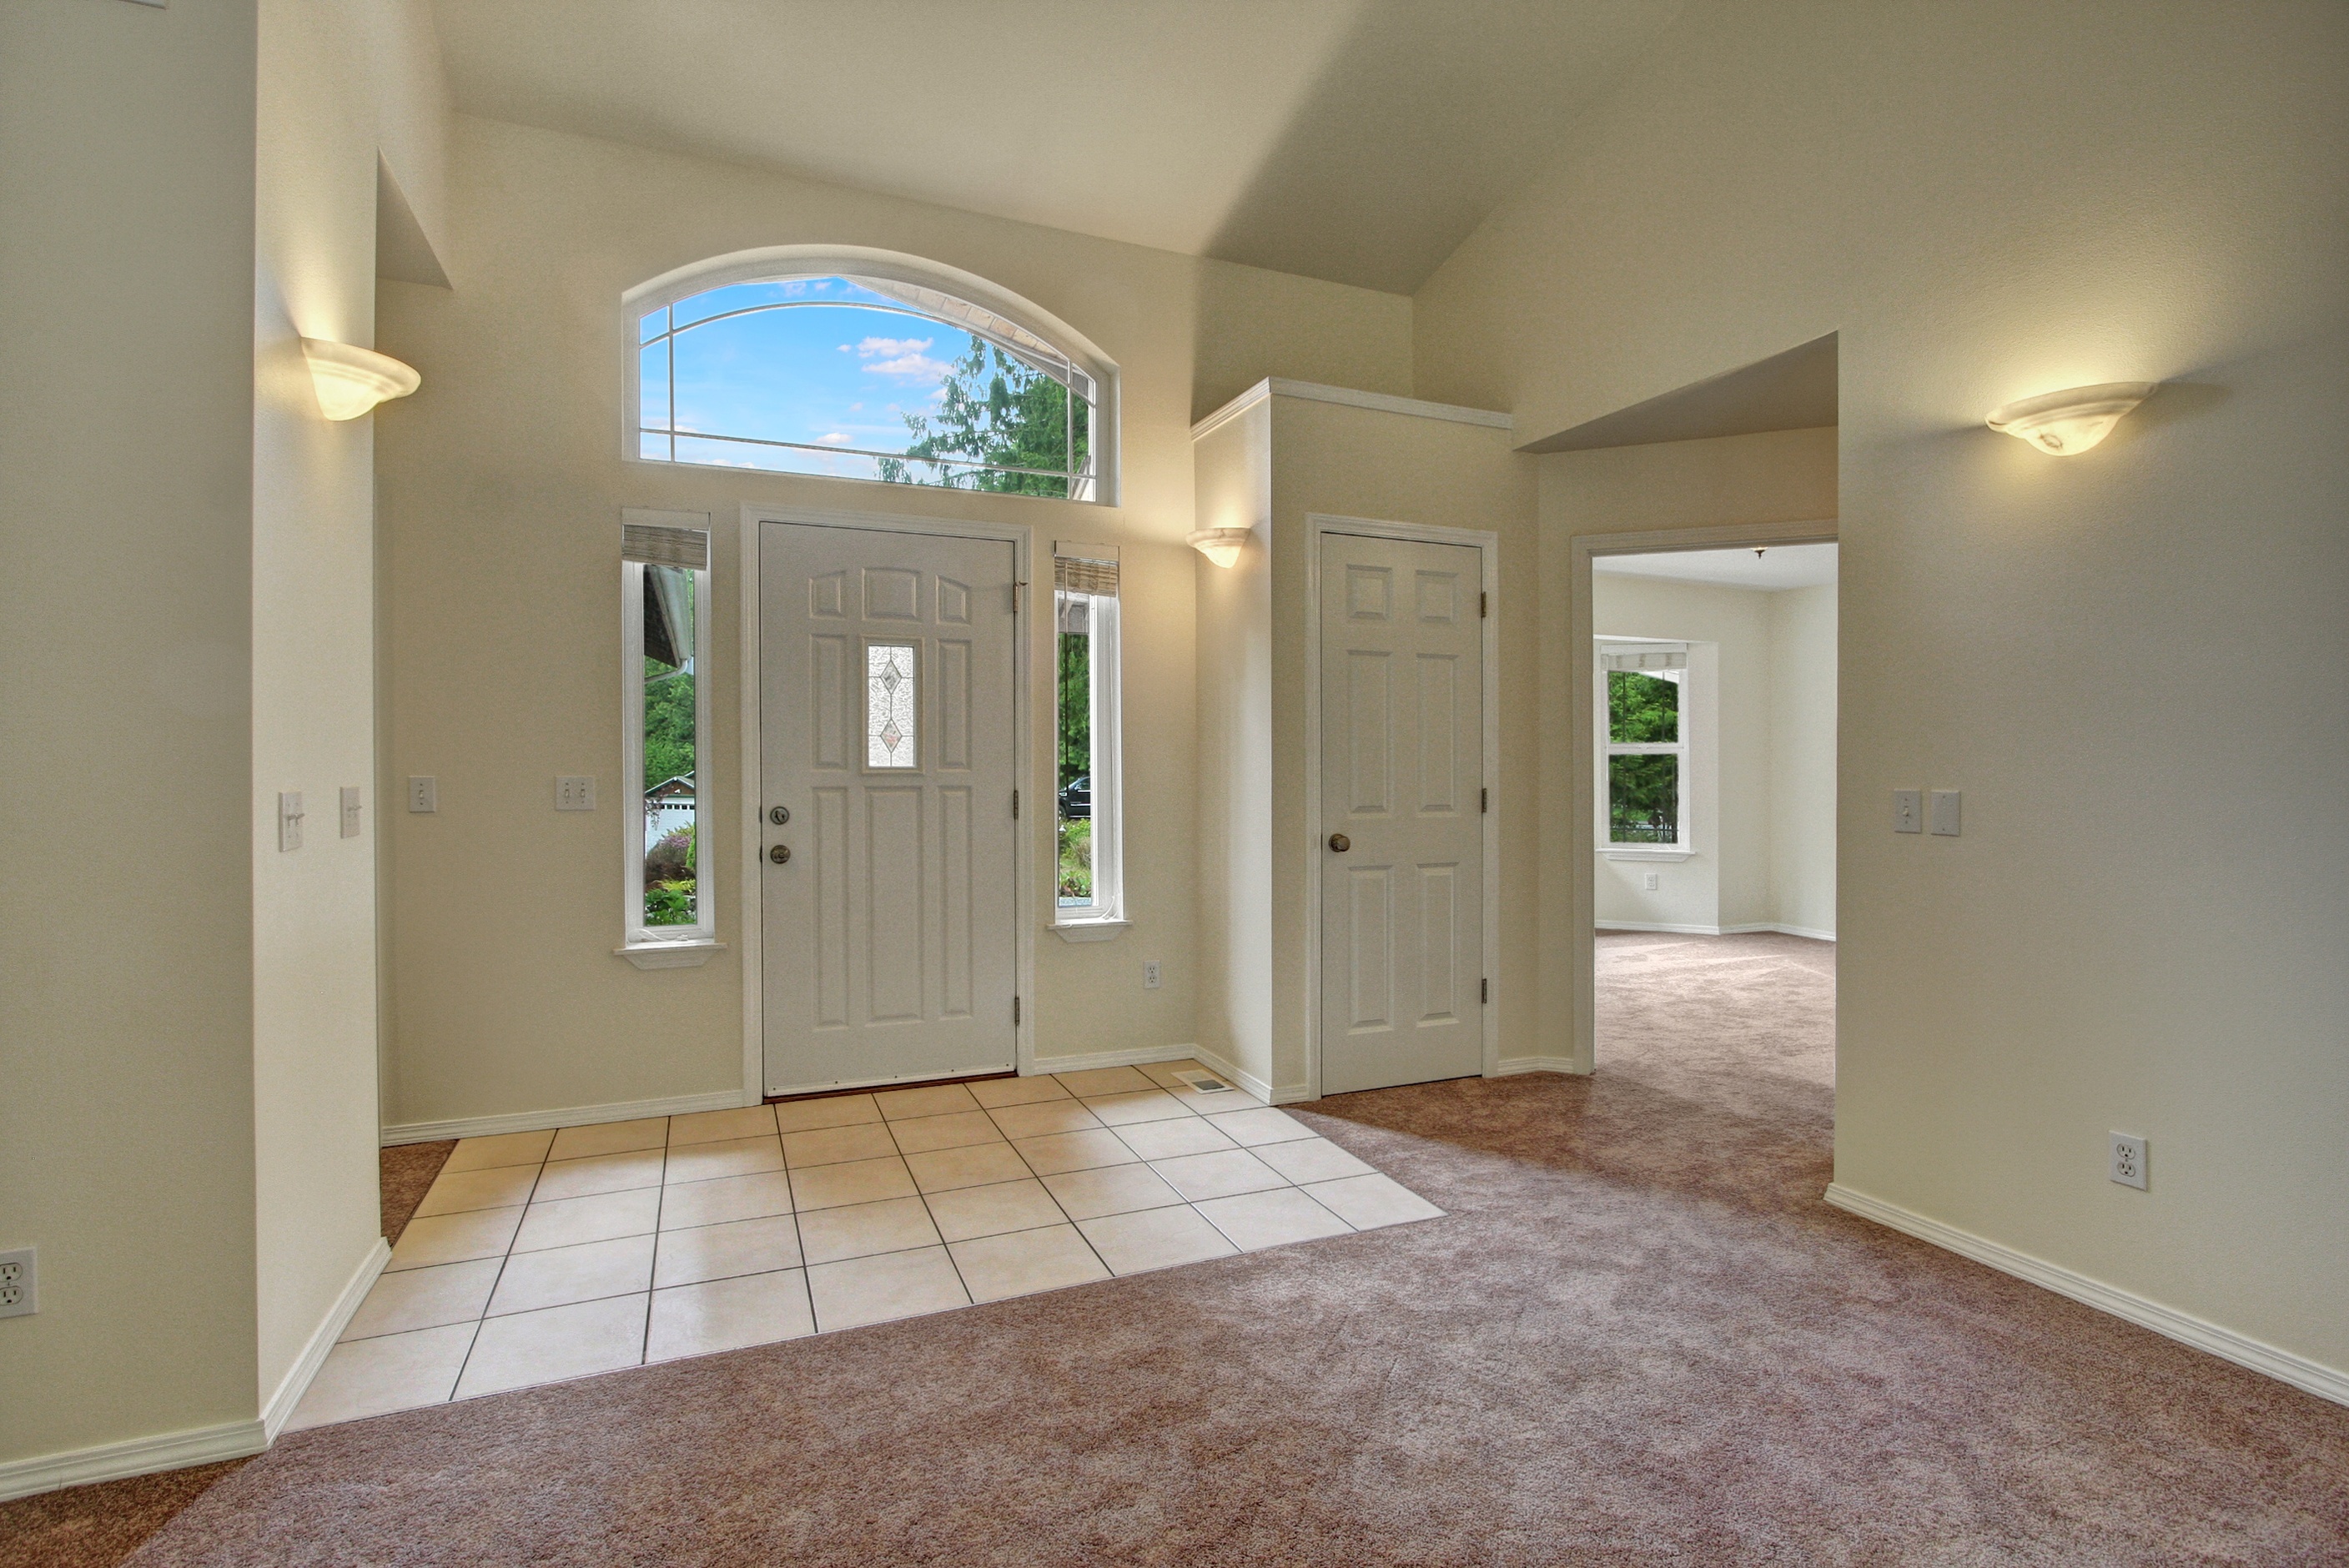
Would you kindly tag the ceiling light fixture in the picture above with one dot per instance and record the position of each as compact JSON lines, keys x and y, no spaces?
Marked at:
{"x":350,"y":381}
{"x":1220,"y":545}
{"x":2069,"y":422}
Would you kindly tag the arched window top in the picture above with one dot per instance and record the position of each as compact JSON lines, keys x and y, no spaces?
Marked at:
{"x":859,"y":365}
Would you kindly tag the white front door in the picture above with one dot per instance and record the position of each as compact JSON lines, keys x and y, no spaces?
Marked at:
{"x":1402,"y":796}
{"x":887,"y":668}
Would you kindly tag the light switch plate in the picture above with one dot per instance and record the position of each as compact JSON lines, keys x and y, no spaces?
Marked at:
{"x":574,"y":792}
{"x":289,"y":818}
{"x":1945,"y":812}
{"x":350,"y":810}
{"x":423,"y":793}
{"x":1908,"y":811}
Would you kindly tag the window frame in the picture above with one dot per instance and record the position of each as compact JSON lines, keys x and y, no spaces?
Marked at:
{"x":1105,"y":916}
{"x":638,"y":939}
{"x":786,"y":264}
{"x":1608,"y":747}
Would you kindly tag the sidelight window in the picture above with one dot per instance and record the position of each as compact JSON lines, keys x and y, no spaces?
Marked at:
{"x":665,"y":720}
{"x":1086,"y":800}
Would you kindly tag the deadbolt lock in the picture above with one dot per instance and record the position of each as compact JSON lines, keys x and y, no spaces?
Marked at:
{"x":779,"y":815}
{"x":1339,"y":843}
{"x":780,"y":853}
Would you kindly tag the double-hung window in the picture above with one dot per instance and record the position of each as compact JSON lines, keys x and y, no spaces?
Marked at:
{"x":665,"y":717}
{"x":1643,"y":732}
{"x":1090,"y":894}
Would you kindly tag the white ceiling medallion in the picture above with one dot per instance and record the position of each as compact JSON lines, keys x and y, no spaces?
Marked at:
{"x":2069,"y":422}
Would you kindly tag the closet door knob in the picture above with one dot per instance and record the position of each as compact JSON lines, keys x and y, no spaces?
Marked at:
{"x":1339,"y":843}
{"x":780,"y":853}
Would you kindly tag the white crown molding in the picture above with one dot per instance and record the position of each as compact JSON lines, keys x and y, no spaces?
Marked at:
{"x":569,"y":1116}
{"x":1314,"y":392}
{"x":281,"y":1405}
{"x":2312,"y":1376}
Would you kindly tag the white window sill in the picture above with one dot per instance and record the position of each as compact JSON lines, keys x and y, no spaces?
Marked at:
{"x":670,"y":955}
{"x":1644,"y":852}
{"x":1089,"y":930}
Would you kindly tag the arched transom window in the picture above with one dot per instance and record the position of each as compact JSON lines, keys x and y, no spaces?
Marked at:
{"x":866,"y":377}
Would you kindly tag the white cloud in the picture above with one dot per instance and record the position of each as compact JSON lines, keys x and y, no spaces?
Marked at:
{"x":872,"y":347}
{"x":912,"y":366}
{"x":837,"y":438}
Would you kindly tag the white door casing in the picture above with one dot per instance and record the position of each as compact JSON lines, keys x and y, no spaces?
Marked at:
{"x":1402,"y":788}
{"x":888,"y":678}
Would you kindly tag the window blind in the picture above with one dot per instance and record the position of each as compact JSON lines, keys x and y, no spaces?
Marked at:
{"x":1644,"y":656}
{"x":1084,"y":568}
{"x":657,"y":545}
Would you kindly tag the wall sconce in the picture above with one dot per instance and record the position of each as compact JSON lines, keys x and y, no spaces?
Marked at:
{"x":1220,"y":545}
{"x":2070,"y":422}
{"x":350,"y":381}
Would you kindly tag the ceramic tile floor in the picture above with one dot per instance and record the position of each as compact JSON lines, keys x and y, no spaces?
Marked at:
{"x":540,"y":1256}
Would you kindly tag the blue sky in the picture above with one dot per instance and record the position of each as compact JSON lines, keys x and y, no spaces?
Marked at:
{"x":837,"y":369}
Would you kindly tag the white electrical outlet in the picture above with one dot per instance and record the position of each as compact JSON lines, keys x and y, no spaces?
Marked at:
{"x":350,"y":810}
{"x":1945,"y":812}
{"x":289,"y":818}
{"x":1650,"y":881}
{"x":423,"y":793}
{"x":20,"y":1285}
{"x":1908,"y":811}
{"x":2128,"y":1156}
{"x":575,"y":793}
{"x":1149,"y":975}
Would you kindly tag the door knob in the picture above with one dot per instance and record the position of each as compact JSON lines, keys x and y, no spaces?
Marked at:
{"x":779,"y":815}
{"x":780,"y":853}
{"x":1339,"y":843}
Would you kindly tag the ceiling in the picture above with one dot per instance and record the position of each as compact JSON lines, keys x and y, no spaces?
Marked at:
{"x":1356,"y":141}
{"x":1778,"y":567}
{"x":1795,"y":390}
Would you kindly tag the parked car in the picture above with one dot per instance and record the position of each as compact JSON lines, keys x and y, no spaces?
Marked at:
{"x":1077,"y":798}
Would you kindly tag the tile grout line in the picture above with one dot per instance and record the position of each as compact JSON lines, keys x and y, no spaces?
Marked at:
{"x":503,"y":1259}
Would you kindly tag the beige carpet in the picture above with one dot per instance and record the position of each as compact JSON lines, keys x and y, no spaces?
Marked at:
{"x":1639,"y":1338}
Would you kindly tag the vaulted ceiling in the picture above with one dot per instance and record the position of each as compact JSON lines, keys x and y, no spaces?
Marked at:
{"x":1357,"y":141}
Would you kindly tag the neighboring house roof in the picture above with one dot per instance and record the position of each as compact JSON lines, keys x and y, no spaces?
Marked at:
{"x":678,"y":788}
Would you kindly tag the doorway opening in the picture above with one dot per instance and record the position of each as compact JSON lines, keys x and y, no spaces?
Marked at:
{"x":1712,"y":676}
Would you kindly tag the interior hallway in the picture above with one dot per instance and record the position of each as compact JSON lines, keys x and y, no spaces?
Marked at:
{"x":1641,"y":1338}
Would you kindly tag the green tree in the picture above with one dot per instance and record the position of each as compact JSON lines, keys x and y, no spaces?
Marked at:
{"x":1641,"y":709}
{"x":1643,"y":793}
{"x":996,"y":411}
{"x":1076,"y":706}
{"x":669,"y":723}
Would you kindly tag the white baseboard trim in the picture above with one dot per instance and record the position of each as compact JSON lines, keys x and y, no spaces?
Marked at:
{"x":1089,"y":1061}
{"x":1285,"y":1094}
{"x":2312,"y":1376}
{"x":1509,"y":1066}
{"x":138,"y":1456}
{"x":569,"y":1116}
{"x":279,"y":1407}
{"x":1714,"y":930}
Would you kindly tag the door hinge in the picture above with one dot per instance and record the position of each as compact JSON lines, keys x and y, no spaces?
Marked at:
{"x":1484,"y":990}
{"x":1483,"y":605}
{"x":1015,"y":805}
{"x":1483,"y":799}
{"x":1015,"y":1010}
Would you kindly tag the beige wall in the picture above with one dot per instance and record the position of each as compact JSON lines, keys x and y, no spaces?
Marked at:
{"x":502,"y":485}
{"x":1991,"y":201}
{"x":1234,"y":470}
{"x":125,"y":920}
{"x":332,"y":90}
{"x":1803,"y":760}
